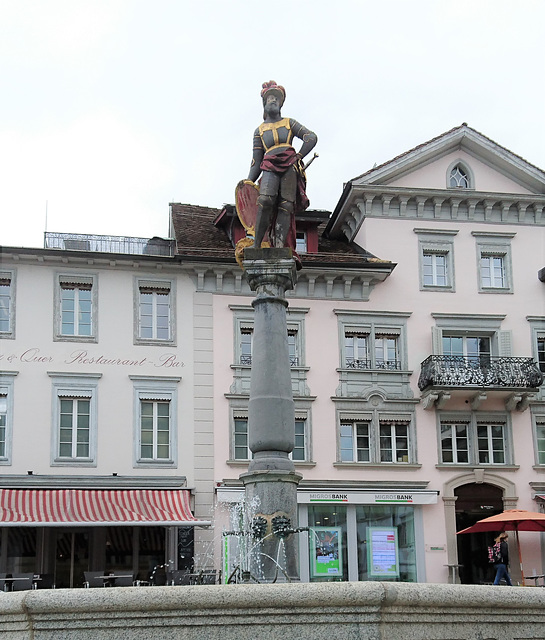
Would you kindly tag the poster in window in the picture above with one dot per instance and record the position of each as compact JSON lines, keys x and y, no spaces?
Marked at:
{"x":382,"y":552}
{"x":326,"y":551}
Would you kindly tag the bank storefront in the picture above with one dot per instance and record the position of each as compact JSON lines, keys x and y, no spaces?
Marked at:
{"x":358,"y":534}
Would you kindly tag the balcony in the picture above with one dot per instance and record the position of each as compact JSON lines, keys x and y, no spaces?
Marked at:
{"x":517,"y":378}
{"x":109,"y":244}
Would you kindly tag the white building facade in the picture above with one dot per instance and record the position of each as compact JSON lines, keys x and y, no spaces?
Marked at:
{"x":102,"y":461}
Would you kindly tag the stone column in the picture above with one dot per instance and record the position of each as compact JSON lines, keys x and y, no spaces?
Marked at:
{"x":271,"y":481}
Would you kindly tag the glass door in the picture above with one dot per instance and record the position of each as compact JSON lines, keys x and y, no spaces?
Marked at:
{"x":71,"y":557}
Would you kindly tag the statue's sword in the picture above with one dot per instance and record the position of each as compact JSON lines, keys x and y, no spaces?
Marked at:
{"x":311,"y":161}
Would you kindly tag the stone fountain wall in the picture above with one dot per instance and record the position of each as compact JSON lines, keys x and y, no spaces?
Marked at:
{"x":325,"y":611}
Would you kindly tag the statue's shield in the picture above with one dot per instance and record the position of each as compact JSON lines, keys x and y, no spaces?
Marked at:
{"x":246,"y":194}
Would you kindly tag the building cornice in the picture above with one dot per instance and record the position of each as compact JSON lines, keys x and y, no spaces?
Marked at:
{"x":437,"y":205}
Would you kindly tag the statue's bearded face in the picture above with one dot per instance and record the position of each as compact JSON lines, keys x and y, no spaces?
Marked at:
{"x":272,"y":104}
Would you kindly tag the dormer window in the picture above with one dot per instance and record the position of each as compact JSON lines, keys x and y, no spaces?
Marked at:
{"x":459,"y":177}
{"x":301,"y":241}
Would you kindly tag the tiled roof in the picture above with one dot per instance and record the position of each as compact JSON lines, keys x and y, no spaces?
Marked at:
{"x":197,"y":238}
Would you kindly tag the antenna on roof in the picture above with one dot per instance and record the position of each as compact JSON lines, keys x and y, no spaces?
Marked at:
{"x":46,"y":216}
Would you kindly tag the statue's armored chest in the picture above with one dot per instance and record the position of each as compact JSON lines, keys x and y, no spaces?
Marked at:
{"x":274,"y":134}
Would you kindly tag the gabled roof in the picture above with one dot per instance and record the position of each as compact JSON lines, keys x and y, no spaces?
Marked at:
{"x":464,"y":138}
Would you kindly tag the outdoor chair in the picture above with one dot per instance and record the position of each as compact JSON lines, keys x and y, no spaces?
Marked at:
{"x":93,"y":579}
{"x":22,"y":581}
{"x":178,"y":577}
{"x":45,"y":581}
{"x":3,"y":583}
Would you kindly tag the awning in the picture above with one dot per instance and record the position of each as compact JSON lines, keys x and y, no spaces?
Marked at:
{"x":94,"y":507}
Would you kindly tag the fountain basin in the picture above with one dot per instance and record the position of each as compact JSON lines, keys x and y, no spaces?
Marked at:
{"x":316,"y":611}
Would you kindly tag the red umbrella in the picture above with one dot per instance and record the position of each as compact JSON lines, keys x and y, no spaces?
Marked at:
{"x":512,"y":520}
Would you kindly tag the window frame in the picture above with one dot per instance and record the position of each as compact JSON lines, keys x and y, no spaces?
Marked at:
{"x":244,"y":325}
{"x":539,"y":440}
{"x":436,"y":242}
{"x":374,"y":327}
{"x":11,"y":275}
{"x":473,"y":421}
{"x":156,"y":285}
{"x":76,"y":280}
{"x":467,"y":171}
{"x":494,"y":245}
{"x":74,"y":386}
{"x":7,"y":386}
{"x":241,"y":415}
{"x":155,"y":389}
{"x":375,"y":420}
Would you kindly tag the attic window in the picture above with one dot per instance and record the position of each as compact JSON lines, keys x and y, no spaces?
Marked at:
{"x":459,"y":178}
{"x":301,"y":242}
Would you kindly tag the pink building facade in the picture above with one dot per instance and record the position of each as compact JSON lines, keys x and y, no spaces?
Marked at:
{"x":416,"y":374}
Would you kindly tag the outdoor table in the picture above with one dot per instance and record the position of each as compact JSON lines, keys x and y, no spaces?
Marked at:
{"x":536,"y":578}
{"x":12,"y":580}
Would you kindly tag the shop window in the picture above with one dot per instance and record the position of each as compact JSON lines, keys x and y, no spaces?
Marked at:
{"x":7,"y":304}
{"x":155,"y":420}
{"x":155,"y":317}
{"x":474,"y":440}
{"x":75,"y":419}
{"x":328,"y":543}
{"x":386,"y":531}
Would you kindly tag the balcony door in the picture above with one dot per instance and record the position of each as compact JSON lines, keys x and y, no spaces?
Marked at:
{"x":474,"y":347}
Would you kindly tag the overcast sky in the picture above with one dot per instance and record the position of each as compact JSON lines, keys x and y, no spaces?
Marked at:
{"x":111,"y":109}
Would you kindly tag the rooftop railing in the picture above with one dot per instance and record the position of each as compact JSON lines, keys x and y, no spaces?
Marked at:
{"x":480,"y":371}
{"x":109,"y":244}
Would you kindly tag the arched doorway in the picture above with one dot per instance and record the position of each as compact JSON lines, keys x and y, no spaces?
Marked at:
{"x":473,"y":503}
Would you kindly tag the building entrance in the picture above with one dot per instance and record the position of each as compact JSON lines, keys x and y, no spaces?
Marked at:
{"x":475,"y":502}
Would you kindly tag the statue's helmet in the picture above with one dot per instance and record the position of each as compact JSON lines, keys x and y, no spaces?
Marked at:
{"x":272,"y":87}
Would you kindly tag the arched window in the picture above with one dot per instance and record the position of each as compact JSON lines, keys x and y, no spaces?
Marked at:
{"x":459,"y":177}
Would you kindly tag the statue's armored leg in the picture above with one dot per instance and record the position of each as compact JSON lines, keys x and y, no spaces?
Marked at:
{"x":286,"y":207}
{"x":283,"y":222}
{"x":265,"y":207}
{"x":266,"y":201}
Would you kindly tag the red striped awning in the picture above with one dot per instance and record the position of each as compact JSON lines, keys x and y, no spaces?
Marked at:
{"x":56,"y":507}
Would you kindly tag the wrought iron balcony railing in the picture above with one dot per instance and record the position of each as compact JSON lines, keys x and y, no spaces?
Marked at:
{"x":390,"y":365}
{"x":294,"y":360}
{"x":479,"y":371}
